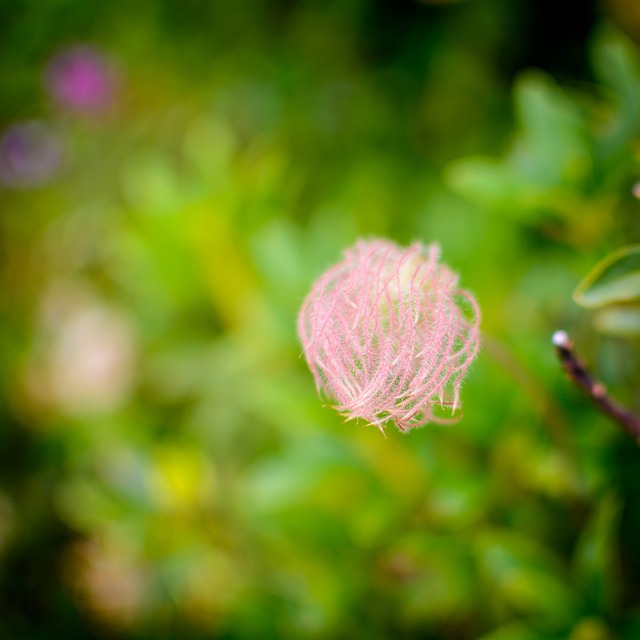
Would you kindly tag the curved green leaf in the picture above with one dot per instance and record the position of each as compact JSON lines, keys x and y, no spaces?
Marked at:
{"x":615,"y":278}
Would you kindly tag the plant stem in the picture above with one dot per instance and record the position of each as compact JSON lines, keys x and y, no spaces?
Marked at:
{"x":579,"y":374}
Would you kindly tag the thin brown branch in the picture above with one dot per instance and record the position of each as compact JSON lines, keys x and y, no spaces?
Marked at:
{"x":579,"y":374}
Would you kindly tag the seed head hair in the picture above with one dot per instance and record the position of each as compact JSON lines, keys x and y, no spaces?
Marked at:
{"x":389,"y":335}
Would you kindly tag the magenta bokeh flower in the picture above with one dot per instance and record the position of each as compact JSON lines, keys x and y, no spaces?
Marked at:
{"x":81,"y":79}
{"x":389,"y":335}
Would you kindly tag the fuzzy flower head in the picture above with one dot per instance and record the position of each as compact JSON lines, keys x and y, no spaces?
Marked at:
{"x":389,"y":335}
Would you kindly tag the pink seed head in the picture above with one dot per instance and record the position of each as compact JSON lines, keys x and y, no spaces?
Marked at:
{"x":388,"y":335}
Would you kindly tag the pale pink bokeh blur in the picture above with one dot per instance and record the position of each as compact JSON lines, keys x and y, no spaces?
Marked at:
{"x":389,"y":335}
{"x":85,"y":360}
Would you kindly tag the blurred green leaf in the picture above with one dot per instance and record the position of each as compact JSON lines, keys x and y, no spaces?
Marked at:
{"x":209,"y":144}
{"x":433,"y":578}
{"x":616,"y":278}
{"x":617,"y":64}
{"x":488,"y":182}
{"x":547,"y":164}
{"x":554,"y":150}
{"x":623,"y":322}
{"x":596,"y":555}
{"x":150,"y":185}
{"x":522,"y":575}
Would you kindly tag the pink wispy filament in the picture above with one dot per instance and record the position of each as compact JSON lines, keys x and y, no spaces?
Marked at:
{"x":388,"y":335}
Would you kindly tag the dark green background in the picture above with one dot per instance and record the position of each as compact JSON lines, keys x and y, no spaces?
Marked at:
{"x":205,"y":491}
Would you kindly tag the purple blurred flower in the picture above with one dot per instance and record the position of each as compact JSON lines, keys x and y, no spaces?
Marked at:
{"x":389,"y":335}
{"x":30,"y":154}
{"x":81,"y":79}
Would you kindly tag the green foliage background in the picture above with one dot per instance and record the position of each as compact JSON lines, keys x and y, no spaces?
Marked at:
{"x":199,"y":488}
